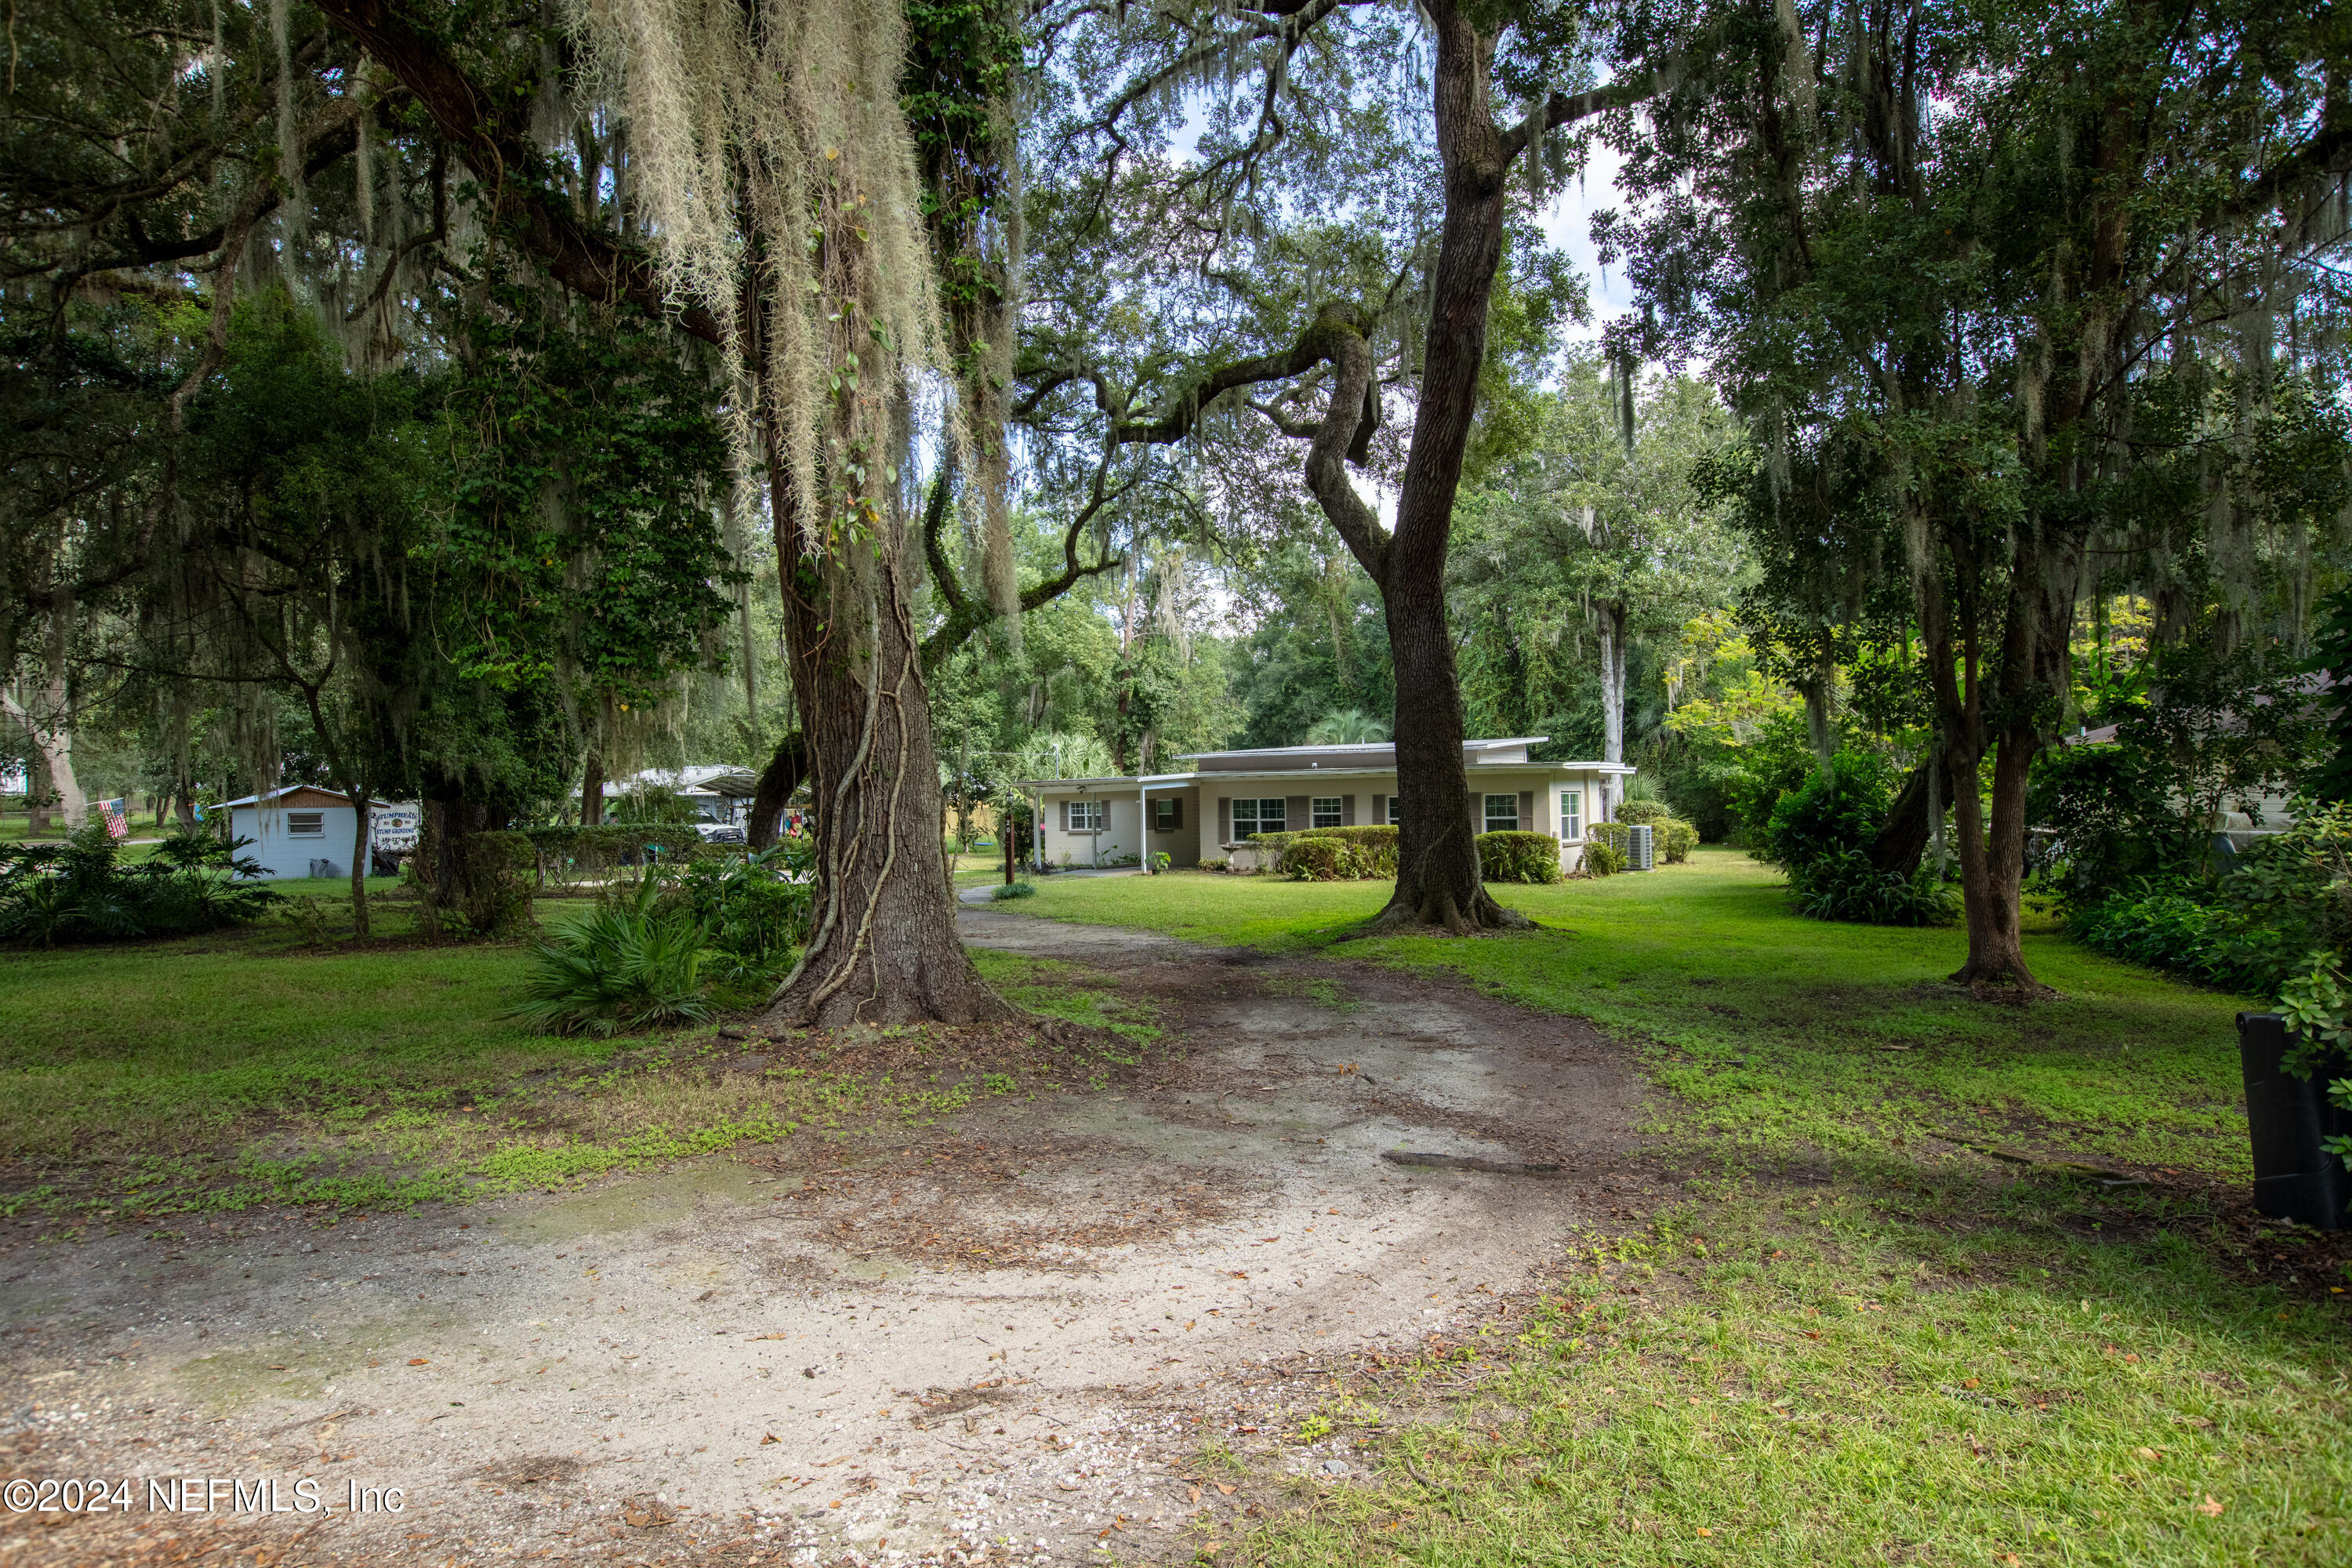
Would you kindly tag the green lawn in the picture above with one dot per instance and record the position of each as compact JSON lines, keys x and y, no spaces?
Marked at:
{"x":251,"y":1066}
{"x":1910,"y":1353}
{"x":1775,"y":1030}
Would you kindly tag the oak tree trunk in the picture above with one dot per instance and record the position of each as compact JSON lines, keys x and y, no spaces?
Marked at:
{"x":883,"y":945}
{"x":1901,"y":842}
{"x":778,"y":781}
{"x":1438,"y":854}
{"x":447,"y":860}
{"x":592,"y":790}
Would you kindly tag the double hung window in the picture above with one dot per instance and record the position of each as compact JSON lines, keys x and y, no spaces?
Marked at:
{"x":1167,"y":814}
{"x":1502,"y":814}
{"x":1258,"y":816}
{"x":1086,"y":816}
{"x":1394,"y":819}
{"x":1327,"y":812}
{"x":1571,"y":813}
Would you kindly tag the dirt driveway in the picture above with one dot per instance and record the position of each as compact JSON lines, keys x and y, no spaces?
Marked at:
{"x":1008,"y":1342}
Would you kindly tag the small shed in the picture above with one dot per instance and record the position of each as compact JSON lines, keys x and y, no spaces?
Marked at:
{"x":298,"y":831}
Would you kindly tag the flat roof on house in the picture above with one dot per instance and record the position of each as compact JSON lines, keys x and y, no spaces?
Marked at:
{"x":1319,"y":761}
{"x":1370,"y":754}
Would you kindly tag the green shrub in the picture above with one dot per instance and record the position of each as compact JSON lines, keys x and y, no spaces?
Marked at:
{"x":1820,"y":835}
{"x":626,"y":965}
{"x":1013,"y":890}
{"x":1311,"y":858}
{"x":1845,"y":885}
{"x":1363,"y":852}
{"x":2114,"y":821}
{"x":1518,"y":858}
{"x":496,"y":900}
{"x":2280,"y":910}
{"x":1602,"y":859}
{"x":753,"y":916}
{"x":1836,"y":809}
{"x":1671,"y":839}
{"x":80,"y":891}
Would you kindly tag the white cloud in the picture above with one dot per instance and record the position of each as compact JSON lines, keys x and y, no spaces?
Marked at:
{"x":1568,"y":225}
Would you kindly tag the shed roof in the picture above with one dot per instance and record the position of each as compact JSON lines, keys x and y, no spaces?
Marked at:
{"x":279,"y":797}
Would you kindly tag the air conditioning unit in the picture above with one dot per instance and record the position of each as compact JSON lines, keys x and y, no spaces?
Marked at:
{"x":1637,"y":848}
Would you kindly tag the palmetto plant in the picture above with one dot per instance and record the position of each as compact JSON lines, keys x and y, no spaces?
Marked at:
{"x":625,"y":966}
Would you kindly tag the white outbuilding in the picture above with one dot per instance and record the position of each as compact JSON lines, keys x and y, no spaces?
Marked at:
{"x":298,"y":831}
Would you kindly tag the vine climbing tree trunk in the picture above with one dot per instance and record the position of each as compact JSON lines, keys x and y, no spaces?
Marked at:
{"x":882,"y":945}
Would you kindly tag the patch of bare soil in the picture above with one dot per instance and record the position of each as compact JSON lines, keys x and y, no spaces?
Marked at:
{"x":1007,"y":1340}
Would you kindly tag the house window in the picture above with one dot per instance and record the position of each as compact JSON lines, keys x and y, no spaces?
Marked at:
{"x":1168,"y":813}
{"x":1571,"y":813}
{"x":1086,"y":816}
{"x":1258,"y":816}
{"x":306,"y":825}
{"x":1502,"y":814}
{"x":1325,"y":811}
{"x":1394,"y":820}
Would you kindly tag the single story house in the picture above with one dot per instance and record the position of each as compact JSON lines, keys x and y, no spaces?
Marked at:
{"x":1209,"y":813}
{"x":298,"y":831}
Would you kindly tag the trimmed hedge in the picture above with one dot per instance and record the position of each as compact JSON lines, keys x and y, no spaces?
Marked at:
{"x":1333,"y":854}
{"x":1518,"y":858}
{"x":566,"y":857}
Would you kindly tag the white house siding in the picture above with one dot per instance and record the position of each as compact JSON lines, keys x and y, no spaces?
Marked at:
{"x":280,"y":852}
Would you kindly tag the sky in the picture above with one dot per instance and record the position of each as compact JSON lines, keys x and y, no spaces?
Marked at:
{"x":1569,"y":226}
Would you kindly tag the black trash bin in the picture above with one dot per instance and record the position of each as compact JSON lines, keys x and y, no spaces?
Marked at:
{"x":2294,"y":1176}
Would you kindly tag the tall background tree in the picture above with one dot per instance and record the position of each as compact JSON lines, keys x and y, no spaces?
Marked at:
{"x":2017,"y":292}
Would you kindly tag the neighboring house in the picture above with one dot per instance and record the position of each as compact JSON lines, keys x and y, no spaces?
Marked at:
{"x":718,"y":792}
{"x":1210,"y":812}
{"x":298,"y":831}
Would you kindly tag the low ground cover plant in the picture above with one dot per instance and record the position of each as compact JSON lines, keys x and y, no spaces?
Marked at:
{"x":626,"y":964}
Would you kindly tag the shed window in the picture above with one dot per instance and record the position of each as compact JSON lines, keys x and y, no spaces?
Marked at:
{"x":1502,"y":814}
{"x":1259,"y":816}
{"x":306,"y":825}
{"x":1086,"y":816}
{"x":1325,"y":812}
{"x":1168,"y":813}
{"x":1571,"y":813}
